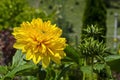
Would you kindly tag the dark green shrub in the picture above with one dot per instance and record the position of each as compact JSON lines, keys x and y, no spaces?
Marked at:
{"x":95,"y":14}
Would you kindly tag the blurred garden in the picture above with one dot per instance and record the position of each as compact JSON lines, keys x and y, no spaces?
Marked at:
{"x":59,"y":39}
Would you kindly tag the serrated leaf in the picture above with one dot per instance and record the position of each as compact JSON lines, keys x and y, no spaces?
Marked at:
{"x":99,"y":66}
{"x":86,"y":69}
{"x":18,"y":59}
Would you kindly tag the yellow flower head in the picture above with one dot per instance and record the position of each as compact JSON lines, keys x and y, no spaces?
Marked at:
{"x":40,"y":41}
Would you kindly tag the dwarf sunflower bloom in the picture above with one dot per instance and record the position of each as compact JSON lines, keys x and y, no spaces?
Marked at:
{"x":40,"y":41}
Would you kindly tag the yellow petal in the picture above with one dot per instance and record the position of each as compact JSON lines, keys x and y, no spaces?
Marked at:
{"x":36,"y":58}
{"x":56,"y":58}
{"x":43,"y":48}
{"x":61,"y":53}
{"x":29,"y":55}
{"x":45,"y":61}
{"x":51,"y":52}
{"x":19,"y":46}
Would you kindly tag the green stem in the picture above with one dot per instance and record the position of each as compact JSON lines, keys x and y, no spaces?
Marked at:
{"x":84,"y":75}
{"x":92,"y":68}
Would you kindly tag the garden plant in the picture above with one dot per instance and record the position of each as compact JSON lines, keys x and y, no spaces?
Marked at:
{"x":37,"y":46}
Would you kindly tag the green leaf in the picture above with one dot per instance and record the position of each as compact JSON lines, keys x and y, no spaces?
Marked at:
{"x":115,"y":65}
{"x":112,"y":58}
{"x":67,"y":59}
{"x":18,"y":69}
{"x":64,"y":70}
{"x":27,"y":70}
{"x":3,"y":69}
{"x":86,"y":69}
{"x":51,"y":74}
{"x":19,"y":66}
{"x":99,"y":66}
{"x":72,"y":54}
{"x":113,"y":61}
{"x":42,"y":75}
{"x":30,"y":78}
{"x":18,"y":59}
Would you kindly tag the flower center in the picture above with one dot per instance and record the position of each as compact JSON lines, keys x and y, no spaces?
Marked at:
{"x":43,"y":31}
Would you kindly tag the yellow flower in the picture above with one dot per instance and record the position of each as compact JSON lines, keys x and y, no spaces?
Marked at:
{"x":40,"y":41}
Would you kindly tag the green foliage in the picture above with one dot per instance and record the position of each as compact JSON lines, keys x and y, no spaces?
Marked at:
{"x":3,"y":70}
{"x":92,"y":48}
{"x":14,"y":12}
{"x":95,"y":14}
{"x":113,"y":62}
{"x":93,"y":52}
{"x":63,"y":72}
{"x":99,"y":67}
{"x":18,"y":59}
{"x":91,"y":60}
{"x":92,"y":31}
{"x":71,"y":54}
{"x":19,"y":67}
{"x":86,"y":69}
